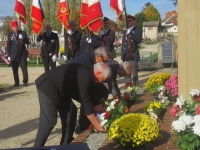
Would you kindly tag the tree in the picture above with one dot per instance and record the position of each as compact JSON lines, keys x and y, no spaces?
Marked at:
{"x":75,"y":8}
{"x":46,"y":10}
{"x":114,"y":26}
{"x":6,"y":28}
{"x":151,"y":13}
{"x":55,"y":23}
{"x":140,"y":18}
{"x":28,"y":28}
{"x":145,"y":6}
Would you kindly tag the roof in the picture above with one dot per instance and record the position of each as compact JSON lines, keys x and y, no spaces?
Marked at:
{"x":151,"y":24}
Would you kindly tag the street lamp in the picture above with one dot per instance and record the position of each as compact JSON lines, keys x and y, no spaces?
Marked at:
{"x":175,"y":2}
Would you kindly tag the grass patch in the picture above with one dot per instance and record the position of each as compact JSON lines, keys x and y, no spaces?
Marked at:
{"x":141,"y":47}
{"x":3,"y":86}
{"x":31,"y":63}
{"x":153,"y":57}
{"x":153,"y":43}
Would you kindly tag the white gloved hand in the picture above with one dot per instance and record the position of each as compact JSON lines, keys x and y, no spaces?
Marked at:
{"x":54,"y":58}
{"x":20,"y":36}
{"x":89,"y":40}
{"x":65,"y":57}
{"x":8,"y":58}
{"x":128,"y":31}
{"x":70,"y":32}
{"x":101,"y":32}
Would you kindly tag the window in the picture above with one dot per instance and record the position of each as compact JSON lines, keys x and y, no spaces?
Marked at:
{"x":174,"y":28}
{"x":150,"y":28}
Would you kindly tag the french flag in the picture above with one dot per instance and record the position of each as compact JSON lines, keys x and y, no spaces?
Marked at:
{"x":83,"y":14}
{"x":20,"y":10}
{"x":94,"y":16}
{"x":37,"y":17}
{"x":118,"y":7}
{"x":63,"y":13}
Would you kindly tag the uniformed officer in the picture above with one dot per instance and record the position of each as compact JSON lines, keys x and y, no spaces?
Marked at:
{"x":89,"y":42}
{"x":72,"y":41}
{"x":17,"y":53}
{"x":129,"y":51}
{"x":108,"y":38}
{"x":50,"y":47}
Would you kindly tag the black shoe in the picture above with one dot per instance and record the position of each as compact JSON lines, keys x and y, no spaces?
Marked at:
{"x":78,"y":130}
{"x":25,"y":84}
{"x":15,"y":85}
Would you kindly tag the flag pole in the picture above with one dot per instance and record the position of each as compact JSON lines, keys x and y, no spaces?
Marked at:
{"x":127,"y":36}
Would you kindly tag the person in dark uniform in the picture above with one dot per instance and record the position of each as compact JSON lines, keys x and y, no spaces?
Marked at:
{"x":108,"y":38}
{"x":124,"y":69}
{"x":89,"y":42}
{"x":58,"y":86}
{"x":72,"y":41}
{"x":135,"y":35}
{"x":17,"y":53}
{"x":50,"y":47}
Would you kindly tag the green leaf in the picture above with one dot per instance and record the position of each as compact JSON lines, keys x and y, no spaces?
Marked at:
{"x":121,"y":106}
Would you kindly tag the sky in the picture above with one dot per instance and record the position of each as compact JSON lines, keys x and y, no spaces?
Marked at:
{"x":132,"y":7}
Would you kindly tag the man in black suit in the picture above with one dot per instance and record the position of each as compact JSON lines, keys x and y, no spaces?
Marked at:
{"x":50,"y":47}
{"x":108,"y":38}
{"x":17,"y":53}
{"x":72,"y":41}
{"x":58,"y":86}
{"x":124,"y":69}
{"x":130,"y":52}
{"x":89,"y":42}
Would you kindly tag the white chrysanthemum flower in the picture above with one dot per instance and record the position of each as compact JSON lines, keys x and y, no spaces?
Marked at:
{"x":112,"y":105}
{"x":196,"y":119}
{"x":196,"y":130}
{"x":161,"y":88}
{"x":180,"y":101}
{"x":108,"y":108}
{"x":104,"y":122}
{"x":194,"y":92}
{"x":178,"y":126}
{"x":188,"y":120}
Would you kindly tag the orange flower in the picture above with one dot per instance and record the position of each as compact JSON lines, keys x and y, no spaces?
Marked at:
{"x":126,"y":109}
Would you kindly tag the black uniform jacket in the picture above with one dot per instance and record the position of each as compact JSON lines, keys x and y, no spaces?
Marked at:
{"x":85,"y":46}
{"x":76,"y":40}
{"x":136,"y":38}
{"x":70,"y":81}
{"x":16,"y":45}
{"x":50,"y":44}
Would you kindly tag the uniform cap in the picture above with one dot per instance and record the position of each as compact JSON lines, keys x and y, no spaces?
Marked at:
{"x":105,"y":19}
{"x":14,"y":23}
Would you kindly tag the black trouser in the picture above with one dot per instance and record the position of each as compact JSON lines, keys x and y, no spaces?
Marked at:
{"x":134,"y":74}
{"x":101,"y":92}
{"x":15,"y":67}
{"x":48,"y":119}
{"x":48,"y":62}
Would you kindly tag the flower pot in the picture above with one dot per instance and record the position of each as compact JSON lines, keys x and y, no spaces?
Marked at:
{"x":136,"y":148}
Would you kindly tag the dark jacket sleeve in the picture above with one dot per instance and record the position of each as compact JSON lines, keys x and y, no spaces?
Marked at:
{"x":85,"y":83}
{"x":56,"y":44}
{"x":25,"y":38}
{"x":9,"y":44}
{"x":109,"y":39}
{"x":76,"y":41}
{"x":39,"y":37}
{"x":136,"y":35}
{"x":96,"y":42}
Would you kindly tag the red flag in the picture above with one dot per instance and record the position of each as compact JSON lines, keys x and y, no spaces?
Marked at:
{"x":20,"y":10}
{"x":37,"y":16}
{"x":94,"y":16}
{"x":118,"y":7}
{"x":83,"y":14}
{"x":63,"y":13}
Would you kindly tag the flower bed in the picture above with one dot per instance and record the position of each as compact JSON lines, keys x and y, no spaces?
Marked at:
{"x":186,"y":113}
